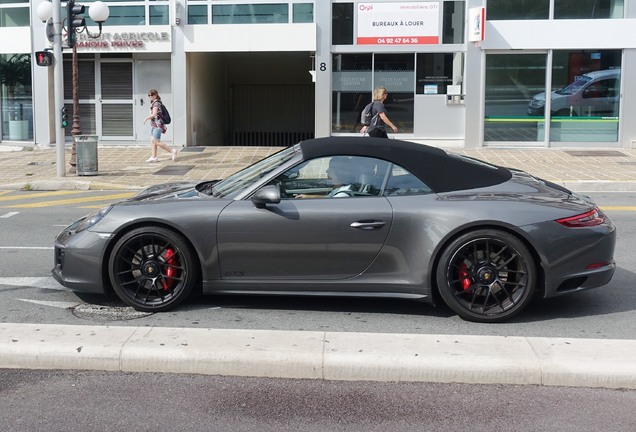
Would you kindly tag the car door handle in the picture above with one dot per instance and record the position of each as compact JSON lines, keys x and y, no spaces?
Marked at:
{"x":368,"y":225}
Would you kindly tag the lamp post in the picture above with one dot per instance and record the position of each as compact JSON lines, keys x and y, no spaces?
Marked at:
{"x":50,"y":12}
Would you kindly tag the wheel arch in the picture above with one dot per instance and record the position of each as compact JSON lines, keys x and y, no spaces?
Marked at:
{"x":113,"y":241}
{"x":540,"y":283}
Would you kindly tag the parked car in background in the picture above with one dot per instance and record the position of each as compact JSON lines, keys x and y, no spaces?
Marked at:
{"x":592,"y":94}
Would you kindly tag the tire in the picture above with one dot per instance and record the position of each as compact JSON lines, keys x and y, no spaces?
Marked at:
{"x":152,"y":269}
{"x":486,"y":276}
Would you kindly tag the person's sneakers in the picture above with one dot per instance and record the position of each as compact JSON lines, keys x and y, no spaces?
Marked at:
{"x":174,"y":154}
{"x":152,"y":159}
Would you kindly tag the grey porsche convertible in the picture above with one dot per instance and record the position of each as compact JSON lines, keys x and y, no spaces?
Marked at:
{"x":346,"y":216}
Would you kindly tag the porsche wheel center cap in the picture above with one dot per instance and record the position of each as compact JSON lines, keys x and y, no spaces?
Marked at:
{"x":151,"y":269}
{"x":486,"y":275}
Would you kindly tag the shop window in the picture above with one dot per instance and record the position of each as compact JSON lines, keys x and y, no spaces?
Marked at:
{"x":16,"y":102}
{"x":14,"y":16}
{"x":513,"y":82}
{"x":588,"y":9}
{"x":197,"y":14}
{"x":396,"y":72}
{"x":437,"y":71}
{"x":250,"y":13}
{"x":303,"y":12}
{"x":342,"y":24}
{"x":352,"y":86}
{"x":517,"y":9}
{"x":585,"y":100}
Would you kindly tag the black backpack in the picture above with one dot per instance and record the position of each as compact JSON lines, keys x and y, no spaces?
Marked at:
{"x":165,"y":115}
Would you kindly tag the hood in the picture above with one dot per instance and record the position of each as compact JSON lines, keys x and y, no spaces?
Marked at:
{"x":183,"y":189}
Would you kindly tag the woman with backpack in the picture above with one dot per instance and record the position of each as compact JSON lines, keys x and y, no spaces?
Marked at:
{"x":157,"y":126}
{"x":379,"y":120}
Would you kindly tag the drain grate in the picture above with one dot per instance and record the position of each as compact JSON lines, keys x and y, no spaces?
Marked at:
{"x":192,"y":149}
{"x":596,"y":153}
{"x":174,"y":170}
{"x":44,"y":163}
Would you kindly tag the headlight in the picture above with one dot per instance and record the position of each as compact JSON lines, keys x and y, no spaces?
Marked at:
{"x":93,"y":219}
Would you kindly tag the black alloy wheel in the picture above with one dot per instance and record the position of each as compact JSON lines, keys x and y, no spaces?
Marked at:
{"x":486,"y":276}
{"x":152,"y":269}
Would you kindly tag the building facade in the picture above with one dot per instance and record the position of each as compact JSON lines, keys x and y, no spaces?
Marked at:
{"x":460,"y":73}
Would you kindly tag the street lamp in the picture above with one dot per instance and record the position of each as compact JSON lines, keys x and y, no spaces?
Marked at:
{"x":75,"y":24}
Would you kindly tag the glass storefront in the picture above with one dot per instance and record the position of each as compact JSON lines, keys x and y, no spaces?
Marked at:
{"x":16,"y":102}
{"x":584,"y":100}
{"x":511,"y":82}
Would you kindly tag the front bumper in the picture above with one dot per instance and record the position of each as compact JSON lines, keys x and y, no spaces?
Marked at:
{"x":78,"y":259}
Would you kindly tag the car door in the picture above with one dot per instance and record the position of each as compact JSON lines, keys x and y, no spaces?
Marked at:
{"x":318,"y":239}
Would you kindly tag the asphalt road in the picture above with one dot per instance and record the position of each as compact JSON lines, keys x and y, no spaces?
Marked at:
{"x":100,"y":401}
{"x":29,"y":295}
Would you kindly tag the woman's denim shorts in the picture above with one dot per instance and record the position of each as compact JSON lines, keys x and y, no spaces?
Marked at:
{"x":156,"y":133}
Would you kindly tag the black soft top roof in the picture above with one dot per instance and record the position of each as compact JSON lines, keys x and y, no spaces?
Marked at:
{"x":439,"y":170}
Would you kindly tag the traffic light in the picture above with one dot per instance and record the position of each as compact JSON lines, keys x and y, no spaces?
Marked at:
{"x":43,"y":58}
{"x":74,"y":19}
{"x":64,"y":117}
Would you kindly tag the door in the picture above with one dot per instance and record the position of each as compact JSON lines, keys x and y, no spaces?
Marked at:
{"x":116,"y":100}
{"x":317,"y":239}
{"x":151,"y":74}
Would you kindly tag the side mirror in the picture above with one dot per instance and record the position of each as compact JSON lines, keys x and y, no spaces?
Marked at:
{"x":266,"y":195}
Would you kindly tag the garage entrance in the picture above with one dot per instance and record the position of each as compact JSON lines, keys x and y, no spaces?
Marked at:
{"x":250,"y":99}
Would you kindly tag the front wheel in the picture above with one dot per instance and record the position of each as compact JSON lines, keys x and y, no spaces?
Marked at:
{"x":152,"y":269}
{"x":486,"y":276}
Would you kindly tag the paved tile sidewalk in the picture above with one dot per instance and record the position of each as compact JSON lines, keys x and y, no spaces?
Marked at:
{"x":124,"y":167}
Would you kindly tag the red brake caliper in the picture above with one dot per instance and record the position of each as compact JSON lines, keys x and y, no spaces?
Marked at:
{"x":170,"y":270}
{"x":464,"y":276}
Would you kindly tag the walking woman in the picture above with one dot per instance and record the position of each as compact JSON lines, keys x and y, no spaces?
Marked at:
{"x":157,"y":127}
{"x":378,"y":128}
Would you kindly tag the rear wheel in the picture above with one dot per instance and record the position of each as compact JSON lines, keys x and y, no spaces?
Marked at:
{"x":152,"y":269}
{"x":486,"y":276}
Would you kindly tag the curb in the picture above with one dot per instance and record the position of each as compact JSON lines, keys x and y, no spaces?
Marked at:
{"x":323,"y":355}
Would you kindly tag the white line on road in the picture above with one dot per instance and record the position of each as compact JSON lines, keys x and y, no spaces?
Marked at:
{"x":8,"y":215}
{"x":28,"y":247}
{"x":56,"y":304}
{"x":35,"y":282}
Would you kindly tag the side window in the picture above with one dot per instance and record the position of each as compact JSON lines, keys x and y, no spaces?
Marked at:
{"x":334,"y":177}
{"x":403,"y":183}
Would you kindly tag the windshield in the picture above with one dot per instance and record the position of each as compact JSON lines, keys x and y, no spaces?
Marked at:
{"x":570,"y":89}
{"x":243,"y":179}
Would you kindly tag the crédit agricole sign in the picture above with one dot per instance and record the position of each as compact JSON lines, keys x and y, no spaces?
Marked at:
{"x":411,"y":23}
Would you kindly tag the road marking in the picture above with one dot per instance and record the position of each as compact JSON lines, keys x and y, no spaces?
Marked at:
{"x":57,"y":304}
{"x":34,"y":282}
{"x":8,"y":215}
{"x":28,"y":247}
{"x":74,"y":200}
{"x":5,"y":192}
{"x":618,"y":208}
{"x":38,"y":195}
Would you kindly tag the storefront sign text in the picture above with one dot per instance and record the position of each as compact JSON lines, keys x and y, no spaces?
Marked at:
{"x":398,"y":23}
{"x":122,"y":40}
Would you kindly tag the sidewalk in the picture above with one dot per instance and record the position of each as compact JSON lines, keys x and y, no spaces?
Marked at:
{"x":313,"y":355}
{"x":124,"y":167}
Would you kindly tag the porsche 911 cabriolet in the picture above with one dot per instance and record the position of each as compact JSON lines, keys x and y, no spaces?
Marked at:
{"x":347,"y":216}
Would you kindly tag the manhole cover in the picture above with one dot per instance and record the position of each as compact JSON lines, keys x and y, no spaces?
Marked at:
{"x":192,"y":149}
{"x":174,"y":170}
{"x":108,"y":313}
{"x":595,"y":153}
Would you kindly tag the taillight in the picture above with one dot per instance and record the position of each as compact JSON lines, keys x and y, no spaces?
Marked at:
{"x":592,"y":218}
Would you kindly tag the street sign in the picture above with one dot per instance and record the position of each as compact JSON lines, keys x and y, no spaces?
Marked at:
{"x":44,"y":58}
